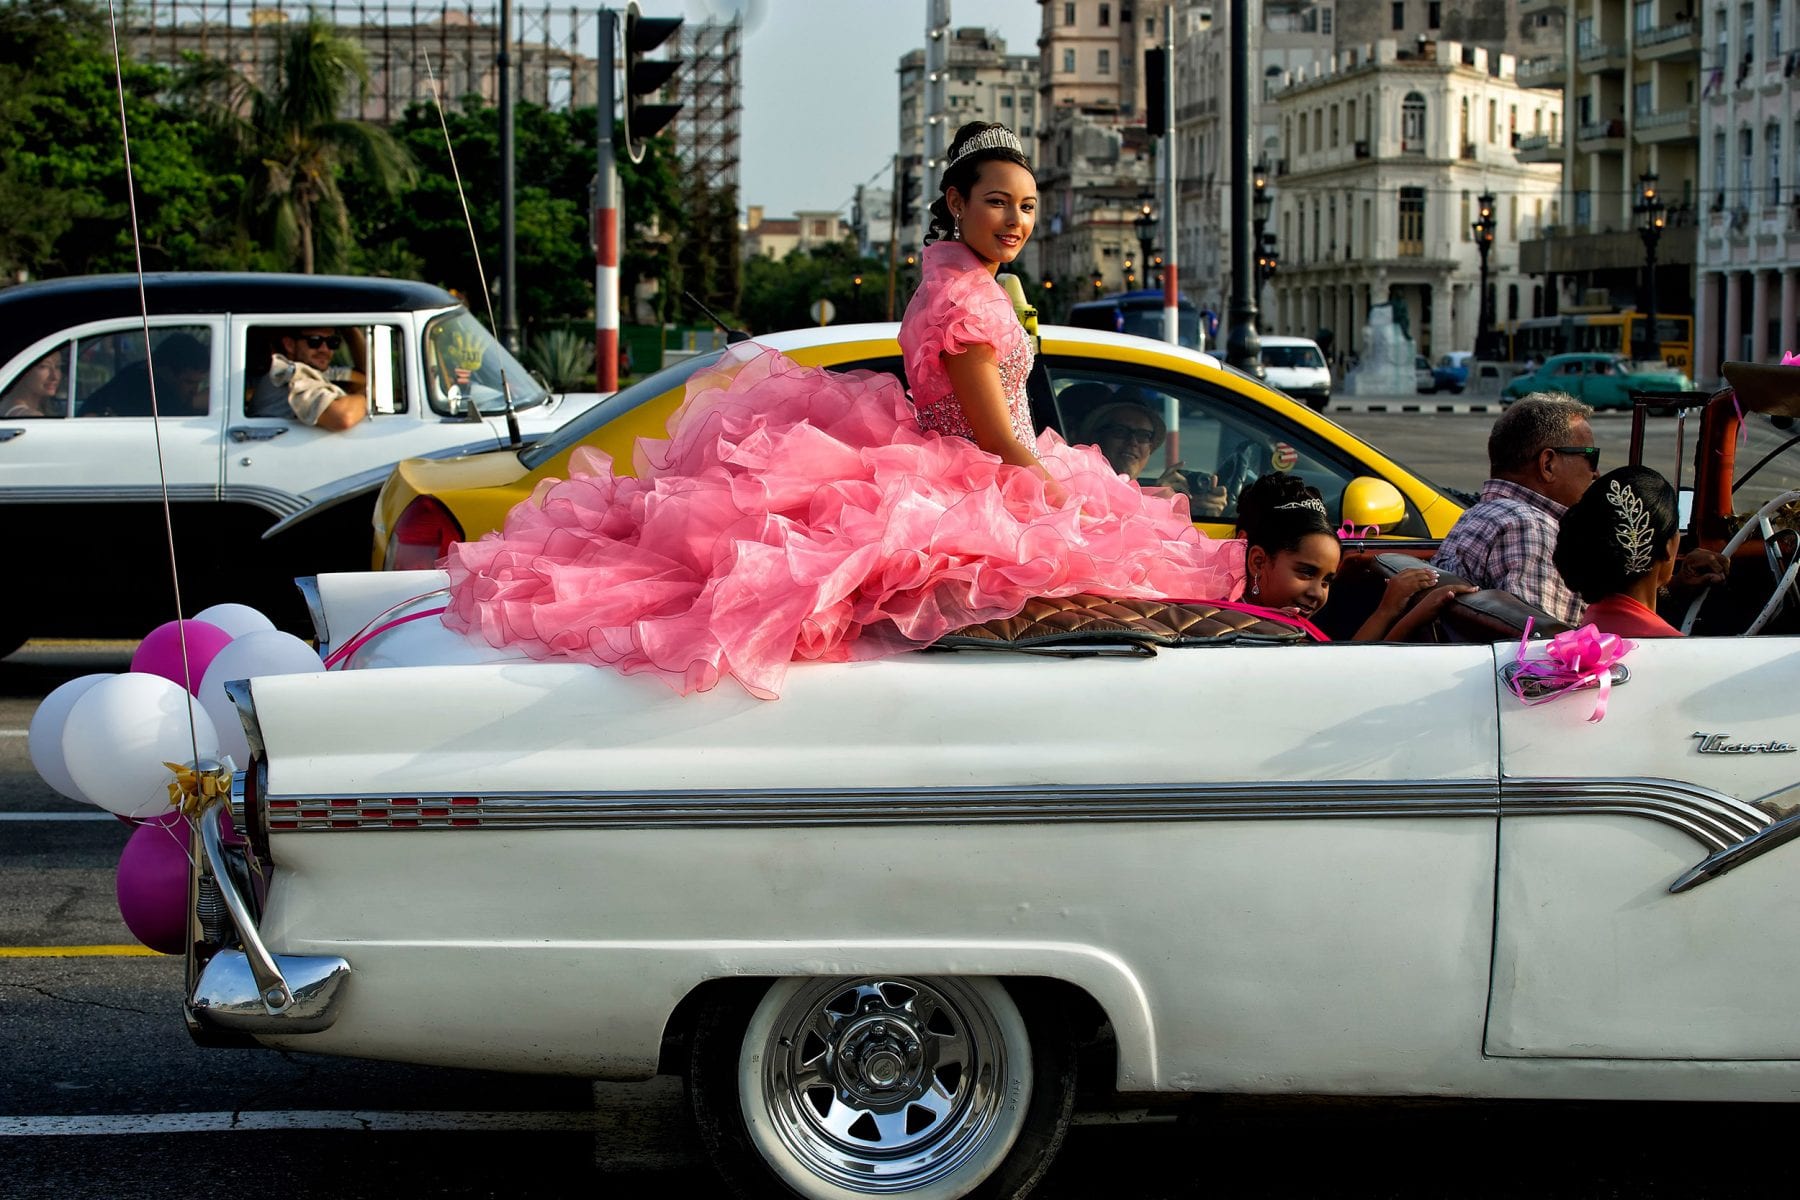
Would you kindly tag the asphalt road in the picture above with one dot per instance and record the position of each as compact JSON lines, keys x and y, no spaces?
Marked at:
{"x":102,"y":1094}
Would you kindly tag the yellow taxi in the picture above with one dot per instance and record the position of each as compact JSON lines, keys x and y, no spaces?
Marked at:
{"x":1219,"y":429}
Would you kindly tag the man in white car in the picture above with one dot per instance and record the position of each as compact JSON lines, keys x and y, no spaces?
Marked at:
{"x":303,"y":385}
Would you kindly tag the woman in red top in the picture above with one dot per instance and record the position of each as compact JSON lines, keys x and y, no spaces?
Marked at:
{"x":1617,"y":550}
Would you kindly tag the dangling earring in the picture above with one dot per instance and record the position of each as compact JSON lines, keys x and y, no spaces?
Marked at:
{"x":1255,"y":585}
{"x":956,"y":234}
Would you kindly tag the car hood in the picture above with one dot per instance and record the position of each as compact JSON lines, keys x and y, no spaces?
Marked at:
{"x":542,"y":418}
{"x":484,"y":469}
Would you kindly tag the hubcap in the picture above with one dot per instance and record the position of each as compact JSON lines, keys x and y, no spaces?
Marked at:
{"x":883,"y":1084}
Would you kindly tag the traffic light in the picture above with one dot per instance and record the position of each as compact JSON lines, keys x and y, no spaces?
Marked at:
{"x":1156,"y":112}
{"x":645,"y":77}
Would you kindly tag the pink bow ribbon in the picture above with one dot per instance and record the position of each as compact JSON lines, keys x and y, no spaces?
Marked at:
{"x":1572,"y":659}
{"x":1349,"y":533}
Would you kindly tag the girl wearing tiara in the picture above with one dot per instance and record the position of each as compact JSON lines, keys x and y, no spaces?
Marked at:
{"x":1616,"y":549}
{"x":1293,"y":555}
{"x":796,"y":514}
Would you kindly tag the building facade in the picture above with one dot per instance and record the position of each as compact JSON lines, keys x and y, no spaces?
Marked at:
{"x":1632,"y":81}
{"x":1747,"y":288}
{"x":977,"y":80}
{"x":1388,"y":150}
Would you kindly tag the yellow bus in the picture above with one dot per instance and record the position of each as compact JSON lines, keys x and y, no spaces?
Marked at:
{"x":1610,"y":332}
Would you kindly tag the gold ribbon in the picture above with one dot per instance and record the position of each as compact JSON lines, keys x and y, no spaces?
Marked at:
{"x":198,"y":787}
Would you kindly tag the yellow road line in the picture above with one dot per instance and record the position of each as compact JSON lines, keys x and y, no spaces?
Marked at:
{"x":78,"y":952}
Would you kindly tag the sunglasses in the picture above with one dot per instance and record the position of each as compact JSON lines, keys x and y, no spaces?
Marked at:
{"x":1123,"y":433}
{"x":1591,"y":453}
{"x":315,"y":340}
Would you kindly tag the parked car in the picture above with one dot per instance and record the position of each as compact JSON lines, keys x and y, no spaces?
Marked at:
{"x":255,"y":499}
{"x":871,"y":921}
{"x":1452,"y":371}
{"x":1297,"y":366}
{"x":1599,"y":380}
{"x":1141,"y":312}
{"x":1423,"y":380}
{"x":1224,"y":423}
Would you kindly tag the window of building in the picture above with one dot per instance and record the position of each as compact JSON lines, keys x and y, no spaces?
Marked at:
{"x":1350,"y":117}
{"x":1584,"y":34}
{"x":1465,"y":224}
{"x":1719,"y":169}
{"x":1493,"y":121}
{"x":1105,"y":15}
{"x":1105,"y":62}
{"x":1433,"y":14}
{"x":1746,"y":155}
{"x":1068,"y":62}
{"x":1412,"y":222}
{"x":1412,"y":124}
{"x":1747,"y":30}
{"x":1775,"y":29}
{"x":1640,"y":98}
{"x":1303,"y":133}
{"x":1465,"y":121}
{"x":1721,"y":23}
{"x":1399,"y":14}
{"x":1772,"y":152}
{"x":1331,"y":228}
{"x":1512,"y":221}
{"x":1069,"y":12}
{"x":1584,"y":209}
{"x":1334,"y":126}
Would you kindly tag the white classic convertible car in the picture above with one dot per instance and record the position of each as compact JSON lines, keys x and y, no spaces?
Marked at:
{"x":872,"y":920}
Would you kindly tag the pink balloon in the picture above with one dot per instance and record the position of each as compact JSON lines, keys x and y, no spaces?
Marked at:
{"x":160,"y":652}
{"x":152,"y":884}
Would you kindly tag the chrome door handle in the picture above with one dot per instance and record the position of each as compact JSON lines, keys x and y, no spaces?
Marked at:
{"x":1512,"y":677}
{"x":256,"y":433}
{"x":7,"y":435}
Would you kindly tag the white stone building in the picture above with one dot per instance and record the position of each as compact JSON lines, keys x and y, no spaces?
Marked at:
{"x":1747,"y":298}
{"x":1386,"y":152}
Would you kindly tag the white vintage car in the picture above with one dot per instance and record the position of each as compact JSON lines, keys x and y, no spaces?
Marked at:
{"x":870,"y":921}
{"x":254,"y":498}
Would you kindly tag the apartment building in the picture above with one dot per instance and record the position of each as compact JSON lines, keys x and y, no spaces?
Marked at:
{"x":976,"y":80}
{"x":1387,"y":151}
{"x":1631,"y":78}
{"x":1289,"y":38}
{"x":1516,"y":27}
{"x":1093,"y":158}
{"x":1747,"y":283}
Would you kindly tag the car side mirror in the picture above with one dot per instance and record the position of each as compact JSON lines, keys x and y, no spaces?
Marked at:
{"x":1372,"y":501}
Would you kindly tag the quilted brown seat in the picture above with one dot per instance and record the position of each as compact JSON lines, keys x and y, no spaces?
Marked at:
{"x":1087,"y":620}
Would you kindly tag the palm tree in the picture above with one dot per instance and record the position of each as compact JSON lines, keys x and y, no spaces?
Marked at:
{"x":294,"y":143}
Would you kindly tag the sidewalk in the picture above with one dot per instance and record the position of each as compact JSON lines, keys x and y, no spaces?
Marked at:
{"x":1446,"y":403}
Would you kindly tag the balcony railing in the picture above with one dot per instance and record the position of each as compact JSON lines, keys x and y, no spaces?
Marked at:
{"x":1668,"y":33}
{"x":1541,"y":70}
{"x":1594,"y":130}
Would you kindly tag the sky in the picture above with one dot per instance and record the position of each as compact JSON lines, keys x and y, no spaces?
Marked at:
{"x":820,"y":94}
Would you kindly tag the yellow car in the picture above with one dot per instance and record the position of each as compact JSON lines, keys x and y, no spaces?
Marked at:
{"x":1220,"y":424}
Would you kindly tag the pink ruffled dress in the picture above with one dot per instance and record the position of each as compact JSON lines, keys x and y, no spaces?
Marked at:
{"x":799,"y":514}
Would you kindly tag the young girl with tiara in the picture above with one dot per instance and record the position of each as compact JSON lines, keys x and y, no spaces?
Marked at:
{"x":796,"y":514}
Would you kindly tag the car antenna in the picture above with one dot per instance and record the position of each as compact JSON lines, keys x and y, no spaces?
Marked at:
{"x":732,"y":336}
{"x":512,"y":415}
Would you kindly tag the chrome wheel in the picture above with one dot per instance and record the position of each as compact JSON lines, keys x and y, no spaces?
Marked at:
{"x":885,"y":1085}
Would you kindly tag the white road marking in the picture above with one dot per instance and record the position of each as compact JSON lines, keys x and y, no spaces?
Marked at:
{"x":57,"y":816}
{"x":15,"y":733}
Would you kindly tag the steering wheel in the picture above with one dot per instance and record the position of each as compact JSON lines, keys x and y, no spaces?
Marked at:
{"x":1784,"y":585}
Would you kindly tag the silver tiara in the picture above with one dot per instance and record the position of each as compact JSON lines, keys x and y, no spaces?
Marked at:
{"x":1633,"y":532}
{"x":1312,"y":502}
{"x":997,"y":138}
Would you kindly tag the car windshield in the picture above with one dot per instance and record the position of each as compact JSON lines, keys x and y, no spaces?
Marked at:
{"x":1292,"y":356}
{"x":464,"y":364}
{"x":572,"y":433}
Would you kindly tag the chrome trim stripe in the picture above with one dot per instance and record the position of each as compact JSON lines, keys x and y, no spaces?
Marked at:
{"x":1713,"y":819}
{"x":315,"y":608}
{"x":1755,"y":846}
{"x":272,"y":500}
{"x":958,"y":806}
{"x":107,"y":493}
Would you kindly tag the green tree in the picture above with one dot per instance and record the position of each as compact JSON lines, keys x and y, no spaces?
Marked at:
{"x":779,"y":293}
{"x":294,"y":144}
{"x":63,"y":201}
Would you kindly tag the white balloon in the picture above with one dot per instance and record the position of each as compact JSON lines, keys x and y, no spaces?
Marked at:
{"x":268,"y":652}
{"x":119,"y":735}
{"x":235,"y":619}
{"x":44,"y":740}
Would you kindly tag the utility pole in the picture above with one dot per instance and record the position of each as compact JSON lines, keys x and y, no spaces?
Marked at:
{"x":606,"y":217}
{"x":1243,"y":349}
{"x":1171,"y":193}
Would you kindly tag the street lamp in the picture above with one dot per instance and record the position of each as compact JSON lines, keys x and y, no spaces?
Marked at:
{"x":1650,"y":217}
{"x":1145,"y":225}
{"x":856,"y":298}
{"x":1260,"y":205}
{"x":1098,"y":281}
{"x":1483,"y":226}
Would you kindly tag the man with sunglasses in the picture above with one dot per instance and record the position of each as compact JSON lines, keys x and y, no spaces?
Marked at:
{"x":302,"y":385}
{"x":1541,"y":459}
{"x":1128,"y":431}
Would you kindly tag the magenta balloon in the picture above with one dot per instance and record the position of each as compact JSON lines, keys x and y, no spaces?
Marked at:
{"x":160,"y":652}
{"x":152,"y":884}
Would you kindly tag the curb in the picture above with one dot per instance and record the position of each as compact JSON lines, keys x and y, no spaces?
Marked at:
{"x":1412,"y":406}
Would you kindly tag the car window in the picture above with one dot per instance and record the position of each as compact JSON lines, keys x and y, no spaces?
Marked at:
{"x":40,"y":388}
{"x":1569,"y":368}
{"x":1210,"y":433}
{"x":112,"y":376}
{"x":464,"y":365}
{"x":1292,"y":356}
{"x":382,"y":376}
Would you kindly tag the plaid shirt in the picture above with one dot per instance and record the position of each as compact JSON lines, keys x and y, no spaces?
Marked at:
{"x":1506,"y":541}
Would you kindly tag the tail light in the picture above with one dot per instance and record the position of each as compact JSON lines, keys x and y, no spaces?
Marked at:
{"x":422,"y":536}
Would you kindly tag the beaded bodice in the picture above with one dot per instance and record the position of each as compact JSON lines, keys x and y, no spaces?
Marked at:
{"x":946,"y":415}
